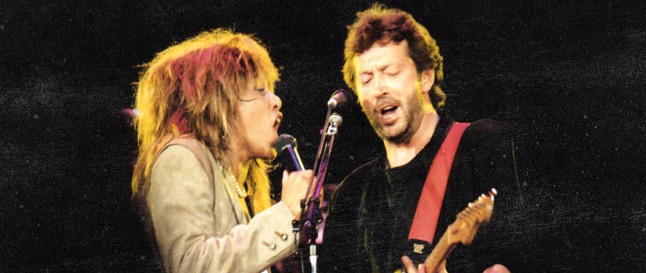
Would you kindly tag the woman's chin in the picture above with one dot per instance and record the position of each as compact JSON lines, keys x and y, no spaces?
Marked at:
{"x":270,"y":154}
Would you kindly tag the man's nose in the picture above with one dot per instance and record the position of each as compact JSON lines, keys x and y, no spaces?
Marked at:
{"x":379,"y":86}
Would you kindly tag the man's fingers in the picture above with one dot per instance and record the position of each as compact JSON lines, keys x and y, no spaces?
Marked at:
{"x":497,"y":268}
{"x":408,"y":265}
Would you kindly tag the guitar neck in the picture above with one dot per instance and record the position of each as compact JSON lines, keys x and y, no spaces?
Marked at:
{"x":439,"y":254}
{"x":463,"y":230}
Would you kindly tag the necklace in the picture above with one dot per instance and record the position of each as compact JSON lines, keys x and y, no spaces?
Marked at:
{"x":242,"y":193}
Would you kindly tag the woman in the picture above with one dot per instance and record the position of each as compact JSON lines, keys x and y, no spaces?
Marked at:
{"x":207,"y":121}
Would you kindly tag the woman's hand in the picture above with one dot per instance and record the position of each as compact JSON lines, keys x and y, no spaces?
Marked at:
{"x":294,"y":188}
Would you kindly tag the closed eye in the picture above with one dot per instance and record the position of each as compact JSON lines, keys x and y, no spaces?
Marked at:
{"x":391,"y":71}
{"x":261,"y":93}
{"x":365,"y":79}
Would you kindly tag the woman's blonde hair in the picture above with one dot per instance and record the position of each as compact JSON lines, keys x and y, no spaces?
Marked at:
{"x":192,"y":88}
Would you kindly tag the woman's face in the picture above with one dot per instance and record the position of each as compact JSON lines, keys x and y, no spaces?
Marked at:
{"x":260,"y":117}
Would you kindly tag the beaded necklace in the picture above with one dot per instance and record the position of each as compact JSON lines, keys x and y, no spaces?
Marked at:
{"x":242,"y":193}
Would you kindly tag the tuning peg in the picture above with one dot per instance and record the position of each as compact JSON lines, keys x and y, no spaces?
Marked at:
{"x":493,"y":191}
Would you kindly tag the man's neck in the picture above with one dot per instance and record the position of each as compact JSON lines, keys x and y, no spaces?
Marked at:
{"x":399,"y":154}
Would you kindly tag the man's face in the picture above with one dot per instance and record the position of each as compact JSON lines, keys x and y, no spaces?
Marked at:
{"x":389,"y":91}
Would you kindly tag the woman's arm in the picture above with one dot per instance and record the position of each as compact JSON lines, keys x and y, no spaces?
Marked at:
{"x":182,"y":201}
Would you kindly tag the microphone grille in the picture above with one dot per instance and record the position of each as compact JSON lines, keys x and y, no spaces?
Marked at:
{"x":284,"y":141}
{"x":339,"y":98}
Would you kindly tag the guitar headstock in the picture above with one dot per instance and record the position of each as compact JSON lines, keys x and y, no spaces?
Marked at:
{"x":468,"y":221}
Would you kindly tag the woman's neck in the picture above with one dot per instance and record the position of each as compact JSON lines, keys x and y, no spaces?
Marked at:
{"x":238,"y":161}
{"x":240,"y":171}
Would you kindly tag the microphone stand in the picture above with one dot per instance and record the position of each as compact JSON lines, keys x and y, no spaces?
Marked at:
{"x":311,"y":214}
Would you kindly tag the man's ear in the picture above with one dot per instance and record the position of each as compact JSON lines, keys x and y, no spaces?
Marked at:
{"x":427,"y":78}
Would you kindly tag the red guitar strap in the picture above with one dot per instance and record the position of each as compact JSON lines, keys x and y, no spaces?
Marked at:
{"x":430,"y":202}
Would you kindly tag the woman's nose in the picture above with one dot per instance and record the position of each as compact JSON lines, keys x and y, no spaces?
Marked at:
{"x":278,"y":101}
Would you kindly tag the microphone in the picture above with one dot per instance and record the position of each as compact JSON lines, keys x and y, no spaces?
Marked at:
{"x":288,"y":142}
{"x":338,"y":98}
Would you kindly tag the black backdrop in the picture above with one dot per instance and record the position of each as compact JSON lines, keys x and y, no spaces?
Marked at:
{"x":568,"y":76}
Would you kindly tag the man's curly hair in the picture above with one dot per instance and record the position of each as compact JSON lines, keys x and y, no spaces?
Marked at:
{"x":380,"y":24}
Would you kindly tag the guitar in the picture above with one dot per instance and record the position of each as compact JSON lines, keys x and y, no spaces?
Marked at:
{"x":463,"y":230}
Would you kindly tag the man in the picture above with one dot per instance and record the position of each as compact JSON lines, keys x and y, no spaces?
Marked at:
{"x":395,"y":68}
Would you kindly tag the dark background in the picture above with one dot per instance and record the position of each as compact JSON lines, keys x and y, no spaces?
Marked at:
{"x":569,"y":77}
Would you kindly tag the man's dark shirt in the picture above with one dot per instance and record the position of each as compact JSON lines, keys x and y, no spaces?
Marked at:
{"x":372,"y":209}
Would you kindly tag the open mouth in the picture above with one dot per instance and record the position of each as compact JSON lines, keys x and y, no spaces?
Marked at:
{"x":388,"y":110}
{"x":278,"y":120}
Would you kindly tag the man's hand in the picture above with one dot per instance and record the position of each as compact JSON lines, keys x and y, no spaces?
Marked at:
{"x":497,"y":268}
{"x":410,"y":267}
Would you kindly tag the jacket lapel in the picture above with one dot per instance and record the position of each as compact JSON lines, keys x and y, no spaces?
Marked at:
{"x":221,"y":178}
